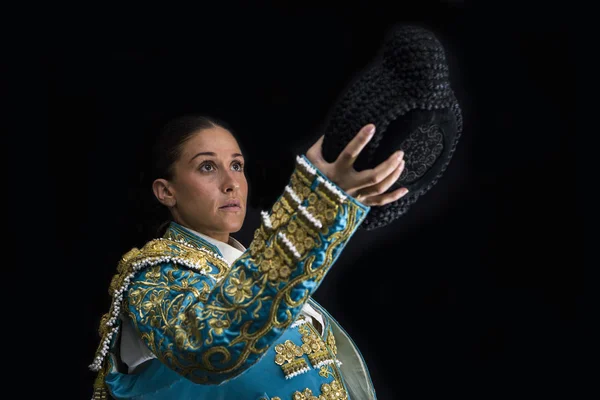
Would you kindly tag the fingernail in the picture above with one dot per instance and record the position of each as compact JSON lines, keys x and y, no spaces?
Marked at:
{"x":399,"y":155}
{"x":371,"y":129}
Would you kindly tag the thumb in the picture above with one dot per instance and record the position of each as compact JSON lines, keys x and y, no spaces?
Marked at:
{"x":315,"y":153}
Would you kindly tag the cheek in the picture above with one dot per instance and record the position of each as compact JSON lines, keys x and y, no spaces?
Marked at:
{"x":200,"y":192}
{"x":244,"y":188}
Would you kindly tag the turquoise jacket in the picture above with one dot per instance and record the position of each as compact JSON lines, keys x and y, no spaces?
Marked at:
{"x":236,"y":332}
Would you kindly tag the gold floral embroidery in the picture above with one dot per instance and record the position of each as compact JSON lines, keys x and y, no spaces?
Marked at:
{"x":218,"y":326}
{"x":240,"y":287}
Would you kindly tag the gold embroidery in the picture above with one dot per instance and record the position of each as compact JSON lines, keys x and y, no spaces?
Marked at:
{"x":100,"y":390}
{"x":258,"y":244}
{"x":287,"y":352}
{"x":295,"y":367}
{"x":282,"y":210}
{"x":218,"y":326}
{"x":325,"y":371}
{"x":333,"y":390}
{"x":289,"y":357}
{"x":240,"y":287}
{"x":331,"y":342}
{"x":314,"y":346}
{"x":300,"y":184}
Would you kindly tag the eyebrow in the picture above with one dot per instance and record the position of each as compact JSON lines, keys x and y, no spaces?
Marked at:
{"x":210,"y":153}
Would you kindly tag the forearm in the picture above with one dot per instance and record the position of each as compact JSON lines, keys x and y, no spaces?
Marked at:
{"x":292,"y":251}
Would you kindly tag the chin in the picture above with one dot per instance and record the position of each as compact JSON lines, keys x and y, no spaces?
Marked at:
{"x":233,"y":227}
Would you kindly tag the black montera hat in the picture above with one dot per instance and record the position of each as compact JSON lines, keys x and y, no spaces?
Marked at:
{"x":405,"y":92}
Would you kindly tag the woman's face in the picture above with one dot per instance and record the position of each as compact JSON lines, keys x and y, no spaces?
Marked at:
{"x":209,"y":187}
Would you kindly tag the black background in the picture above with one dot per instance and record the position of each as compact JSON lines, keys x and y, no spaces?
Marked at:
{"x":473,"y":293}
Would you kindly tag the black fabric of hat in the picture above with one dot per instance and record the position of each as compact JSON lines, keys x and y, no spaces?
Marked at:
{"x":405,"y":92}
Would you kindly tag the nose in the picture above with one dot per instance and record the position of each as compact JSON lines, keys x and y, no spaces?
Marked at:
{"x":230,"y":183}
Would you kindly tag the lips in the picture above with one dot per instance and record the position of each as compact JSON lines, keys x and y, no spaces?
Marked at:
{"x":232,"y":204}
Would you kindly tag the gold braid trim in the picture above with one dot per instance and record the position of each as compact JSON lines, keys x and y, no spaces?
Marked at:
{"x":100,"y":389}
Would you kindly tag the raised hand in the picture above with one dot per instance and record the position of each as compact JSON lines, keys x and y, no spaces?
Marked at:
{"x":368,"y":186}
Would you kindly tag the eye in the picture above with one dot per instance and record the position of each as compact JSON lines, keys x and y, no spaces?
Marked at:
{"x":206,"y":167}
{"x":237,"y":166}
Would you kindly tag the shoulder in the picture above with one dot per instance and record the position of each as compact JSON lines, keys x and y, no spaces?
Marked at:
{"x":163,"y":253}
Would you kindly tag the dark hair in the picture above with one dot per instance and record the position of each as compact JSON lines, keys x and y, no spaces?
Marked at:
{"x":167,"y":147}
{"x":165,"y":151}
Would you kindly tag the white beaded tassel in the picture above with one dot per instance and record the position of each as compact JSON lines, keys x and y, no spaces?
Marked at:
{"x":299,"y":372}
{"x":293,"y":194}
{"x":303,"y":162}
{"x":340,"y":196}
{"x":266,"y":219}
{"x":310,"y":217}
{"x":324,"y":362}
{"x":289,"y":245}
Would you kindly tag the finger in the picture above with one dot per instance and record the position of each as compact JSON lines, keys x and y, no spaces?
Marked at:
{"x":356,"y":145}
{"x":385,"y":184}
{"x":374,"y":176}
{"x":386,"y":198}
{"x":315,"y":153}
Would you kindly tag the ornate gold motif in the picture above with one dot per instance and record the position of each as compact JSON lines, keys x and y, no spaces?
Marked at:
{"x":289,"y":357}
{"x":240,"y":287}
{"x":333,"y":390}
{"x":301,"y":184}
{"x":331,"y":342}
{"x":295,"y":367}
{"x":287,"y":352}
{"x":282,"y":210}
{"x":325,"y":371}
{"x":314,"y":346}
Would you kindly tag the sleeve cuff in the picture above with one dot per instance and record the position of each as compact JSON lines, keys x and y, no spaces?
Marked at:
{"x":331,"y":186}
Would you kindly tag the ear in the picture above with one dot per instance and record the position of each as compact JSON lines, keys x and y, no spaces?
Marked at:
{"x":164,"y":194}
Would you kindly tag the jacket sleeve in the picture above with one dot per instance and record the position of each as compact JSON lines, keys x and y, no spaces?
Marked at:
{"x":211,"y":330}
